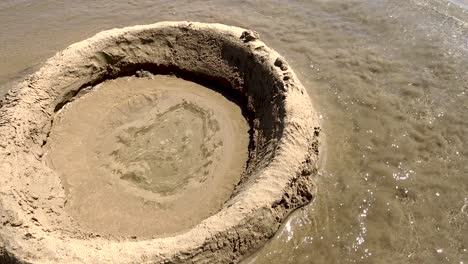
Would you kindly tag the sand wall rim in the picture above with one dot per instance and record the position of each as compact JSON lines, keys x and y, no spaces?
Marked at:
{"x":286,"y":132}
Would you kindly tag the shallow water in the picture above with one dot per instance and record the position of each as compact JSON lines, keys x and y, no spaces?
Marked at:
{"x":151,"y":147}
{"x":390,"y":79}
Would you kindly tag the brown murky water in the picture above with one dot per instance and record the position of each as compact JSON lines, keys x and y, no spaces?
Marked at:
{"x":161,"y":148}
{"x":390,"y":79}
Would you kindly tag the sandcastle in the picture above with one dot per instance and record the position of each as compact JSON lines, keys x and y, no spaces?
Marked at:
{"x":277,"y":178}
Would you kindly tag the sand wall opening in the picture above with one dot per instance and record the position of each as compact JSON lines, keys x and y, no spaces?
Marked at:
{"x":276,"y":179}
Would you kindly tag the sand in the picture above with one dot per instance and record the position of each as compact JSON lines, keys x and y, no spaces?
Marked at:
{"x":72,"y":185}
{"x":147,"y":156}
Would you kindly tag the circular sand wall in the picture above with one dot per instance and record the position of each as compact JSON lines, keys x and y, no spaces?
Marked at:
{"x":283,"y":149}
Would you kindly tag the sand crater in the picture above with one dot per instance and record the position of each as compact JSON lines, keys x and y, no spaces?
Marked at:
{"x":95,"y":172}
{"x":147,"y":156}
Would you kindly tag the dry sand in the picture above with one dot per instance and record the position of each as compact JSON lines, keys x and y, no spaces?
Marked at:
{"x":148,"y":156}
{"x":69,"y":170}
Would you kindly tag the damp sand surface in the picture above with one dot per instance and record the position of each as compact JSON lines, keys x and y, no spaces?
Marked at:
{"x":147,"y":156}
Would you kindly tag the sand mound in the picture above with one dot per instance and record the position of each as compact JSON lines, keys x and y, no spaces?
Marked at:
{"x":48,"y":159}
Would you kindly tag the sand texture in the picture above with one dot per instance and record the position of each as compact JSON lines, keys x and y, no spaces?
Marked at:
{"x":76,"y":119}
{"x":142,"y":157}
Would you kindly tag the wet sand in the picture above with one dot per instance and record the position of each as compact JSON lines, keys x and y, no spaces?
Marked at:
{"x":60,"y":131}
{"x":147,"y":156}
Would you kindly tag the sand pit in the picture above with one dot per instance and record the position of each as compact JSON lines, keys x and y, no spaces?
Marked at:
{"x":167,"y":143}
{"x":166,"y":150}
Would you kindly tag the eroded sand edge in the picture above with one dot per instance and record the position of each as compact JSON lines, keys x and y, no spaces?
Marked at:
{"x":279,"y":176}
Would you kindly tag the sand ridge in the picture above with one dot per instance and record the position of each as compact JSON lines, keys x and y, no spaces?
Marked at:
{"x":278,"y":178}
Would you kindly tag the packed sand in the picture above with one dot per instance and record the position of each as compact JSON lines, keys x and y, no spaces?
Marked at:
{"x":166,"y":150}
{"x":98,"y":167}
